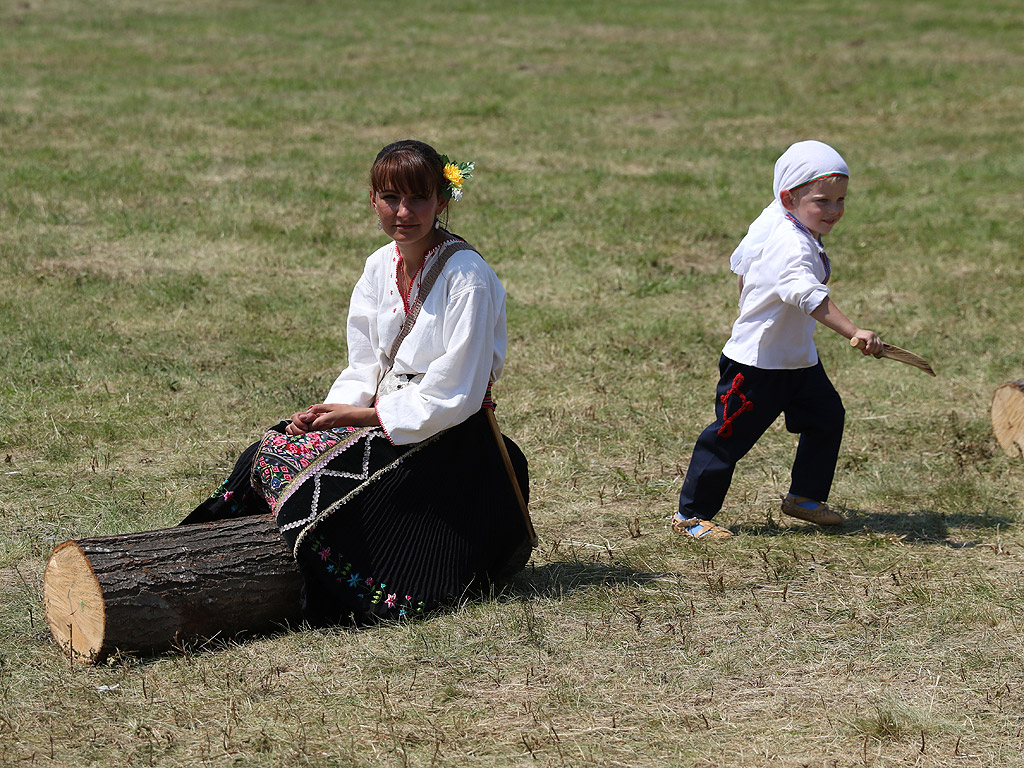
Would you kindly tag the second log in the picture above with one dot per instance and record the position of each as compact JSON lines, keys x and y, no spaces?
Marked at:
{"x":1008,"y":417}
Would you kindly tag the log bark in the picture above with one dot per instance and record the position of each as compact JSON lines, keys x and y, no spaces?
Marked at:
{"x":150,"y":591}
{"x":1008,"y":417}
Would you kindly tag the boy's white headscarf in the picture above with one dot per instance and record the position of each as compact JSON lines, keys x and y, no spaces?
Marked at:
{"x":802,"y":163}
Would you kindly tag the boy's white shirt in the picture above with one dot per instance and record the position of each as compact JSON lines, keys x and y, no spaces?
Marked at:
{"x":458,"y":343}
{"x":781,"y":287}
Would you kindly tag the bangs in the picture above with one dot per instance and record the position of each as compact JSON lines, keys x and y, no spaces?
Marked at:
{"x":830,"y":175}
{"x":406,"y":171}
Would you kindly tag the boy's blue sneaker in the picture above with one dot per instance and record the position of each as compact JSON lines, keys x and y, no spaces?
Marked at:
{"x":696,"y":528}
{"x":810,"y":510}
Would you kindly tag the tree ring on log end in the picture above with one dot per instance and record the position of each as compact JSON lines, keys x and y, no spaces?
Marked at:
{"x":74,"y":603}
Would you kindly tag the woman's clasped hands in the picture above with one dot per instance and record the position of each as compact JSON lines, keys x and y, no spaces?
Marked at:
{"x":323,"y":416}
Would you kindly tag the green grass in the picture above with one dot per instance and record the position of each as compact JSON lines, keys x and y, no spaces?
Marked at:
{"x":183,"y":213}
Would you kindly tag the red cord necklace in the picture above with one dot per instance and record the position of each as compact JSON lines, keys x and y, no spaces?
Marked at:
{"x":406,"y":293}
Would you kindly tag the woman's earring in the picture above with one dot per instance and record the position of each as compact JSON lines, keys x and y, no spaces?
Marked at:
{"x":437,"y":223}
{"x":379,"y":224}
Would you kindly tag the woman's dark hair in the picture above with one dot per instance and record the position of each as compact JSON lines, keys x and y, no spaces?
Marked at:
{"x":409,"y":166}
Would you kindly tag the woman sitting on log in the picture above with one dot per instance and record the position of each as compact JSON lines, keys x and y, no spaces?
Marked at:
{"x":396,"y":494}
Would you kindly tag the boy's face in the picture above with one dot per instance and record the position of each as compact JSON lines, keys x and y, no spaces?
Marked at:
{"x":819,"y":205}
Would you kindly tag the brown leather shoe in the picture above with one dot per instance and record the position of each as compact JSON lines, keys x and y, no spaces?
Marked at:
{"x":696,"y":528}
{"x":820,"y":514}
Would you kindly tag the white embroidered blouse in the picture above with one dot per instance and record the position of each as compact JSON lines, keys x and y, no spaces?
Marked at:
{"x":455,"y":347}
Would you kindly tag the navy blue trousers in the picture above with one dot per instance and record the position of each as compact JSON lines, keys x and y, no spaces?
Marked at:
{"x":748,"y":401}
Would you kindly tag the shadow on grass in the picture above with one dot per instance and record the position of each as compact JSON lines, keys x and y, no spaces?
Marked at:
{"x":924,"y":526}
{"x":566,"y":577}
{"x":532,"y":583}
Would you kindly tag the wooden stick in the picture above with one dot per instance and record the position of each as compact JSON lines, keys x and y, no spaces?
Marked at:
{"x":512,"y":476}
{"x":898,"y":354}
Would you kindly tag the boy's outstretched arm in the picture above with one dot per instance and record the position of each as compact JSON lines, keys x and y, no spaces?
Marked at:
{"x":829,"y":315}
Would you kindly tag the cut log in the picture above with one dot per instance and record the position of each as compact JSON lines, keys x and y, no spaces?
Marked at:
{"x":1008,"y":417}
{"x":150,"y":591}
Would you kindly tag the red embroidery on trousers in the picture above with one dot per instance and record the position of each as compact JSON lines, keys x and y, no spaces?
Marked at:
{"x":745,"y":405}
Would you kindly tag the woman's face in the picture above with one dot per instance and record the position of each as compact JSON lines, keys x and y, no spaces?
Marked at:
{"x":406,"y":217}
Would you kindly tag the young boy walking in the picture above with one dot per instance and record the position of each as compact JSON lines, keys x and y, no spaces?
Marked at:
{"x":770,"y":365}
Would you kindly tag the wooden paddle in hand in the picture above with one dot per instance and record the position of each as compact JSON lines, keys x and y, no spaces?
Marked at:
{"x":893,"y":352}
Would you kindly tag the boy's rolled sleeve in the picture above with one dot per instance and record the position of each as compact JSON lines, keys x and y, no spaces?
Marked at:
{"x":812,"y":300}
{"x":799,"y":282}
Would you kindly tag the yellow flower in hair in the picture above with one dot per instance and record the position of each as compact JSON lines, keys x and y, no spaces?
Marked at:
{"x":455,"y":174}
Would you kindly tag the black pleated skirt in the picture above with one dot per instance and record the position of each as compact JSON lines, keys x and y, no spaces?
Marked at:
{"x":392,"y":532}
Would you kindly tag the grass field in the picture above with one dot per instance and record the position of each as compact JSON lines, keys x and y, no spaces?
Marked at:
{"x":183,"y":214}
